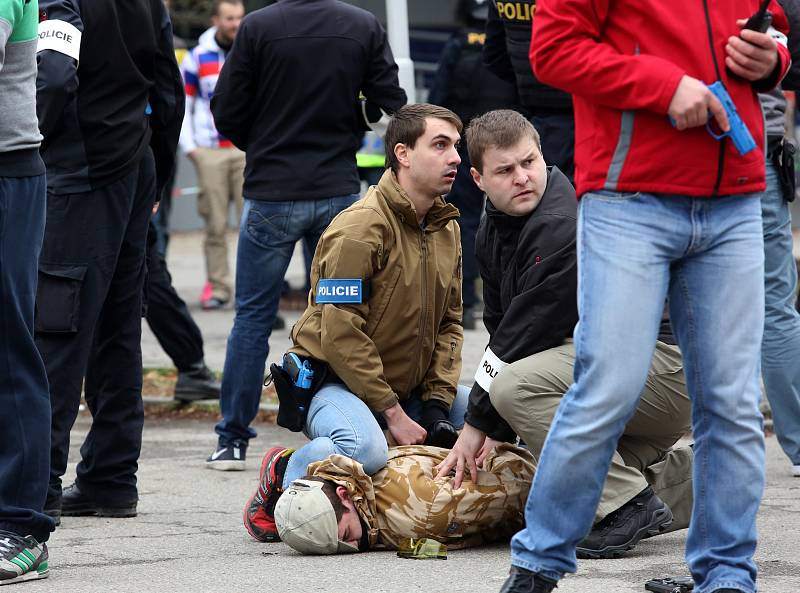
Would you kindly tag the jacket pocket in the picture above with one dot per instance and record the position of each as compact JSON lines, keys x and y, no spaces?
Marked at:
{"x":58,"y":297}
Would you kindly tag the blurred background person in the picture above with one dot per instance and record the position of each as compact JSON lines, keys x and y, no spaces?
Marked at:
{"x":219,"y":164}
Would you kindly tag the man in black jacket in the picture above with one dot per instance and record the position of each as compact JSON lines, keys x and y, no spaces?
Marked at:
{"x":508,"y":41}
{"x":288,"y":96}
{"x":106,"y":160}
{"x":527,"y":258}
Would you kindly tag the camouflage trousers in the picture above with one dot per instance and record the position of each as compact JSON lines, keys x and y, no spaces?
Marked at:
{"x":528,"y":392}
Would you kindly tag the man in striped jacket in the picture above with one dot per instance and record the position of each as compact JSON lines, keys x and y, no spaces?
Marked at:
{"x":219,"y":164}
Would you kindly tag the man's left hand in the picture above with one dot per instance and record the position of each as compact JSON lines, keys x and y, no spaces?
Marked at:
{"x":752,"y":55}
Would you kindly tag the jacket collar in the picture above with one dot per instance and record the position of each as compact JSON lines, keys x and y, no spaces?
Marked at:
{"x":396,"y":197}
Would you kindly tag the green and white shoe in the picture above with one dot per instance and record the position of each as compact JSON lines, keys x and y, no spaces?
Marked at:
{"x":21,"y":558}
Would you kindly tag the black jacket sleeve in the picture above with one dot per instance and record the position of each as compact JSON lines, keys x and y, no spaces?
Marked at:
{"x":381,"y":84}
{"x":166,"y":101}
{"x":792,"y":10}
{"x":57,"y":77}
{"x":495,"y":54}
{"x":480,"y":411}
{"x":544,"y":311}
{"x":232,"y":103}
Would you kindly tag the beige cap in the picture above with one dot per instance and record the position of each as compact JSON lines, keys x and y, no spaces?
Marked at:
{"x":306,"y":520}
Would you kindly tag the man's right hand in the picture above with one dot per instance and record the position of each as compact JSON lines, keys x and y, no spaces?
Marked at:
{"x":404,"y":430}
{"x":691,"y":103}
{"x":463,"y":455}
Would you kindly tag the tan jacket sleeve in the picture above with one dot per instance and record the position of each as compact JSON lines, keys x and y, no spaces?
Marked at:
{"x":352,"y":250}
{"x":441,"y":378}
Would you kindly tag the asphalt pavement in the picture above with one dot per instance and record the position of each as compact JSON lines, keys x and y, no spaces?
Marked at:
{"x":188,"y":536}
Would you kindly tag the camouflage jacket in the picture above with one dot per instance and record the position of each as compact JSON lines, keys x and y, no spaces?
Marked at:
{"x":403,"y":500}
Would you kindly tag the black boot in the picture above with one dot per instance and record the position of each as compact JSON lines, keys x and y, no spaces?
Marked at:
{"x":645,"y":514}
{"x":75,"y":503}
{"x":521,"y":580}
{"x":197,"y":382}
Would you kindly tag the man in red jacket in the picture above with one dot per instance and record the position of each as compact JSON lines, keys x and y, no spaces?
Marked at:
{"x":666,"y":211}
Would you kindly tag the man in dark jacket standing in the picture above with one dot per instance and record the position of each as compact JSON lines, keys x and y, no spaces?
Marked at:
{"x":526,"y":250}
{"x":508,"y":40}
{"x":99,"y":148}
{"x":288,"y":96}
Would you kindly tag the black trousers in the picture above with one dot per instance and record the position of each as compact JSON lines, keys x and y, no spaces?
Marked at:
{"x":88,"y":329}
{"x":24,"y":399}
{"x":167,"y":314}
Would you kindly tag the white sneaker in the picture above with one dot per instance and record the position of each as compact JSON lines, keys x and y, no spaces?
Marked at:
{"x":796,"y":471}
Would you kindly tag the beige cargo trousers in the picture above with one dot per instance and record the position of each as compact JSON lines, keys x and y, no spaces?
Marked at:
{"x":527,"y":394}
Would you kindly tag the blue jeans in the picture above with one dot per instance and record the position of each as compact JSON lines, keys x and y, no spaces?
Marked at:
{"x":267,"y":235}
{"x":340,"y":423}
{"x":780,"y":351}
{"x":634,"y":250}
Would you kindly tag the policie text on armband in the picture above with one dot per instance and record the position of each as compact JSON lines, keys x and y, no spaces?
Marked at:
{"x":738,"y":132}
{"x":339,"y":290}
{"x":59,"y":36}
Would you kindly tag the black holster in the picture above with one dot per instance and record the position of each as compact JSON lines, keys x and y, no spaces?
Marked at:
{"x":782,"y":156}
{"x":294,"y":401}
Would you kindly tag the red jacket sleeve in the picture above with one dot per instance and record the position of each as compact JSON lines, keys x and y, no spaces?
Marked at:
{"x":566,"y":53}
{"x":779,"y":30}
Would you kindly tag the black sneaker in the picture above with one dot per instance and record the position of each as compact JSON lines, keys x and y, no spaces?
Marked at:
{"x":521,"y":580}
{"x":197,"y":383}
{"x":75,"y":503}
{"x":620,"y":531}
{"x":279,"y":323}
{"x":22,"y":558}
{"x":228,"y":457}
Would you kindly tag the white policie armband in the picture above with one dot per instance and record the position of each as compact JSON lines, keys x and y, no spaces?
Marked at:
{"x":60,"y":36}
{"x":488,"y":368}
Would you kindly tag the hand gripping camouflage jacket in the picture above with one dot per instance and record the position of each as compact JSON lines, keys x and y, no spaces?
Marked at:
{"x":404,"y":500}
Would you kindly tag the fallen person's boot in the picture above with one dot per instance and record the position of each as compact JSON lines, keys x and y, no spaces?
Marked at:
{"x":259,"y":512}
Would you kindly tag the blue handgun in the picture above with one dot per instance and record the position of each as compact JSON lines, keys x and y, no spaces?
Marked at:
{"x":742,"y":139}
{"x":299,"y":371}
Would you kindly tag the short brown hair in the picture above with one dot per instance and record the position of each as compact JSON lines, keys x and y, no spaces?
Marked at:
{"x":408,"y":124}
{"x":501,"y":128}
{"x":217,"y":3}
{"x":329,"y":488}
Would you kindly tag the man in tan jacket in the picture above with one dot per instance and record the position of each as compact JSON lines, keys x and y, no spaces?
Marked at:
{"x":383,"y":316}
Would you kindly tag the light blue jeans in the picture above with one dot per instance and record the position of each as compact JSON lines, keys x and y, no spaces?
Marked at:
{"x":780,"y":351}
{"x":634,"y":250}
{"x":340,"y":423}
